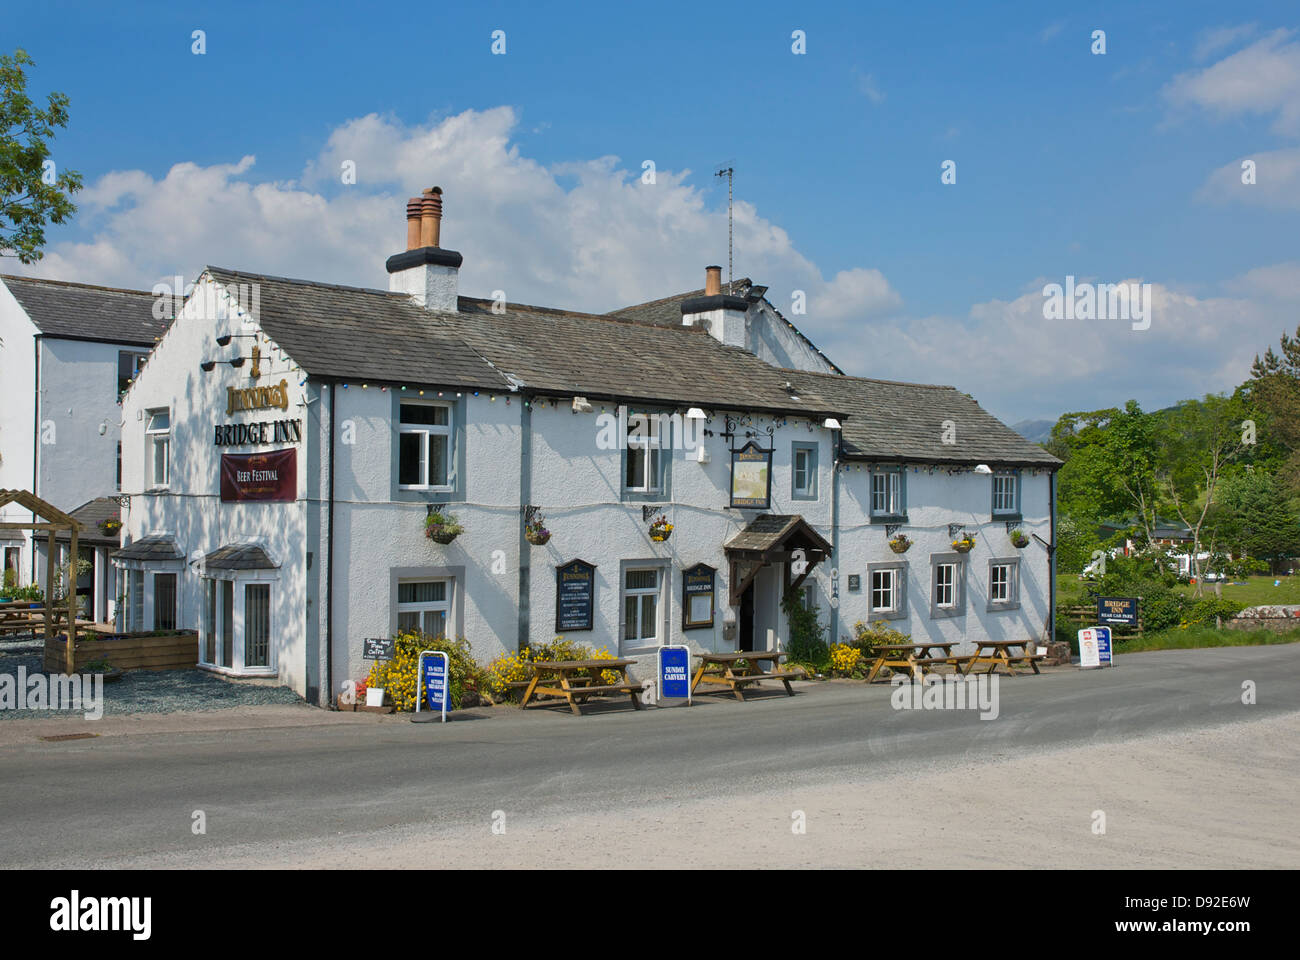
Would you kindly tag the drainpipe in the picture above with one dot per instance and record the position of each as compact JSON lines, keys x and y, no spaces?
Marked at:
{"x":835,"y":529}
{"x":329,"y":569}
{"x":1051,"y":560}
{"x":525,"y":498}
{"x":36,"y":439}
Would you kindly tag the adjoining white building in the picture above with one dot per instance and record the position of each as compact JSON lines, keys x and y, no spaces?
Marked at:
{"x":287,"y":440}
{"x":67,"y":353}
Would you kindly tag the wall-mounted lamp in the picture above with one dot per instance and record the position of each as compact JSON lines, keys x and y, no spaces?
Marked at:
{"x":224,"y":341}
{"x":695,"y":413}
{"x":237,"y":362}
{"x":207,"y":365}
{"x":830,"y":423}
{"x":581,"y":405}
{"x":983,"y":468}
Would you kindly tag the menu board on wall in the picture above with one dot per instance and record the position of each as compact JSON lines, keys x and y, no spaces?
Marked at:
{"x":697,"y":596}
{"x":263,"y":477}
{"x":575,"y":595}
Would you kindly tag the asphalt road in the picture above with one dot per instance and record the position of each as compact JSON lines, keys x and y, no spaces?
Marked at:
{"x":129,"y":800}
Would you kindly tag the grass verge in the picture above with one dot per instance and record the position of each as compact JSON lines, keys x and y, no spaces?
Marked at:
{"x":1180,"y":638}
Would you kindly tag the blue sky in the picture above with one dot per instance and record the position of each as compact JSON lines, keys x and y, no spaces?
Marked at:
{"x":1111,"y":167}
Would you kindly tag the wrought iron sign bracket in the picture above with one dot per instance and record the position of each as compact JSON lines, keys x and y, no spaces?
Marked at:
{"x":954,"y":529}
{"x":891,"y":529}
{"x":649,"y":512}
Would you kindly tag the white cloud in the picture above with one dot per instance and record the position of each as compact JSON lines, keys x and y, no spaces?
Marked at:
{"x":1221,"y":38}
{"x":867,"y":87}
{"x":1263,"y":78}
{"x":1051,"y":31}
{"x":1281,"y":281}
{"x":586,"y":235}
{"x":1277,"y":181}
{"x":1019,"y":365}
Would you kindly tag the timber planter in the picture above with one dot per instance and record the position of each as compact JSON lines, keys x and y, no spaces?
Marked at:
{"x":170,"y":650}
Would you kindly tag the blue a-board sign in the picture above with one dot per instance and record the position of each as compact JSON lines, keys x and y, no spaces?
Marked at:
{"x":1103,"y":646}
{"x":575,"y":592}
{"x":434,"y":669}
{"x":1118,"y":611}
{"x":675,"y":672}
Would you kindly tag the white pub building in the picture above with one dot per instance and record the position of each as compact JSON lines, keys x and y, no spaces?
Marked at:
{"x":287,"y":439}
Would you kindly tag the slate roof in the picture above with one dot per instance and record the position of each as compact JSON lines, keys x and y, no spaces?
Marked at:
{"x":380,"y":336}
{"x":770,"y":530}
{"x":79,"y":311}
{"x":895,"y":421}
{"x":668,"y":313}
{"x":238,"y":556}
{"x":90,"y":515}
{"x":149,"y":548}
{"x":352,"y":332}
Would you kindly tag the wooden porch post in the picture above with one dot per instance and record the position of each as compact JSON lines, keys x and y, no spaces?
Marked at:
{"x":72,"y":602}
{"x":49,"y":585}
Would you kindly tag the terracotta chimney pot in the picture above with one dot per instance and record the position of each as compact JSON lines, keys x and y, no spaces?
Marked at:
{"x":431,"y":217}
{"x":712,"y":281}
{"x":413,"y":208}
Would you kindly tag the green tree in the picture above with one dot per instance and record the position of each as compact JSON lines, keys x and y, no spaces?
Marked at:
{"x":1255,"y":517}
{"x":1204,"y":437}
{"x":1111,"y":467}
{"x":32,"y":193}
{"x":1274,"y":391}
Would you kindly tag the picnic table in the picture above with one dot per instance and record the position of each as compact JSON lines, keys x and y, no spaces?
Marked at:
{"x":559,"y":678}
{"x":1001,"y":655}
{"x":721,"y":669}
{"x":915,"y":657}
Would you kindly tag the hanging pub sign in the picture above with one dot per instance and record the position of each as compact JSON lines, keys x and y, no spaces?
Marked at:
{"x":259,"y":476}
{"x":697,"y":597}
{"x":575,"y":595}
{"x":751,"y":477}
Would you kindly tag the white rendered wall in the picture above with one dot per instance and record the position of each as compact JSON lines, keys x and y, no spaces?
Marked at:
{"x":17,"y":412}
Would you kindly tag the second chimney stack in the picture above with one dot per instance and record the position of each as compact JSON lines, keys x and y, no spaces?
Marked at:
{"x":712,"y":281}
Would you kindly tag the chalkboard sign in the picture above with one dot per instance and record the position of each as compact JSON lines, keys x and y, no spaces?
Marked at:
{"x":1118,"y":611}
{"x":697,"y":597}
{"x":378,"y":648}
{"x":575,"y":596}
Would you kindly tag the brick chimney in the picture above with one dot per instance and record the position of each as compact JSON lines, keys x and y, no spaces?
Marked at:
{"x":721,"y":313}
{"x":425,"y":272}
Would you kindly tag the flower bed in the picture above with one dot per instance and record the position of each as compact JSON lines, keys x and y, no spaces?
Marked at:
{"x":152,"y":650}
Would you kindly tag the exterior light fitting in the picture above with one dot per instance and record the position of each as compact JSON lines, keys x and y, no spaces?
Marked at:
{"x":983,"y":468}
{"x":830,"y":423}
{"x":695,"y":413}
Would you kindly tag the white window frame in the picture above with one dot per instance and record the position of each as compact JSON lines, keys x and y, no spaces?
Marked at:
{"x":648,"y":444}
{"x":238,"y":582}
{"x":892,"y":492}
{"x":657,"y":592}
{"x":808,"y":488}
{"x":888,"y":589}
{"x":1004,"y":492}
{"x":423,"y":607}
{"x":425,"y":431}
{"x":1011,"y":600}
{"x":955,"y":606}
{"x":950,"y":587}
{"x":153,"y":438}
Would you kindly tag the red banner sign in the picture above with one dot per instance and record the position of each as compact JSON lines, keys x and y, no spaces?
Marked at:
{"x":259,"y":476}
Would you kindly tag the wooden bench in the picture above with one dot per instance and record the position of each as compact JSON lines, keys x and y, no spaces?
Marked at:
{"x":1002,"y":656}
{"x":720,"y":669}
{"x":577,"y":689}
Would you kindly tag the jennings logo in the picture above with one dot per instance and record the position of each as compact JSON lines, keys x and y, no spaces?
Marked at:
{"x":77,"y":913}
{"x":258,"y":398}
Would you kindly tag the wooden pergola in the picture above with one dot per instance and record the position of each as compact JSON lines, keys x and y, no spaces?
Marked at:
{"x":52,"y":521}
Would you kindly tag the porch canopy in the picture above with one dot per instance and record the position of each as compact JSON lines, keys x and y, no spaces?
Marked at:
{"x":52,"y":521}
{"x":773,"y":538}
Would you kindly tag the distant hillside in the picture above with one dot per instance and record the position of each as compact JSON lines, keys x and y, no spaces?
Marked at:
{"x":1035,"y":431}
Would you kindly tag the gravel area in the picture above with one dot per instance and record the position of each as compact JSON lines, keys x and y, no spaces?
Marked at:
{"x":152,"y":691}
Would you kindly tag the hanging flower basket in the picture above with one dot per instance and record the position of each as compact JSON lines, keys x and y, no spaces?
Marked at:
{"x":900,"y":544}
{"x":442,"y":528}
{"x":660,"y":530}
{"x":110,"y":527}
{"x":965,"y":544}
{"x":537,"y":536}
{"x":1018,"y":539}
